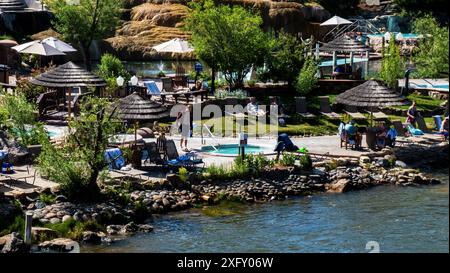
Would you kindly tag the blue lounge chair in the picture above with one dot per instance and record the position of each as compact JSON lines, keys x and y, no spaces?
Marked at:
{"x":152,"y":88}
{"x":284,"y":143}
{"x":114,"y":159}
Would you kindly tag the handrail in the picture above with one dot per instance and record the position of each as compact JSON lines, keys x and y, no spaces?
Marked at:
{"x":211,"y":135}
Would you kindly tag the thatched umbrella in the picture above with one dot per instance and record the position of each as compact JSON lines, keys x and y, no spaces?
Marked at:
{"x":345,"y":44}
{"x":135,"y":108}
{"x":68,"y":75}
{"x":372,"y":95}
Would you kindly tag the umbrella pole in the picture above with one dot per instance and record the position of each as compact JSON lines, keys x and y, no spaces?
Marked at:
{"x":135,"y":131}
{"x":69,"y":104}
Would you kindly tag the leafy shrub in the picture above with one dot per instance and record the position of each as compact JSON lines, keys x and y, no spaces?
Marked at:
{"x":306,"y":162}
{"x":183,"y":173}
{"x":30,"y":91}
{"x":251,"y":83}
{"x":287,"y":159}
{"x":47,"y":198}
{"x":307,"y":80}
{"x":161,"y":74}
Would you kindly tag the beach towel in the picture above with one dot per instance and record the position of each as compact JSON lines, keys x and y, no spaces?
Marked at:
{"x":413,"y":131}
{"x":114,"y":158}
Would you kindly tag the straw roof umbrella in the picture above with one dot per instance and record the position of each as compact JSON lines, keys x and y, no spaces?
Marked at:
{"x":372,"y":94}
{"x":135,"y":108}
{"x":68,"y":75}
{"x":344,"y":44}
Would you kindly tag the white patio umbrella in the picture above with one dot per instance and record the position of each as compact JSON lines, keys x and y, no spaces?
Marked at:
{"x":38,"y":48}
{"x":176,"y":45}
{"x":58,"y":44}
{"x":335,"y":20}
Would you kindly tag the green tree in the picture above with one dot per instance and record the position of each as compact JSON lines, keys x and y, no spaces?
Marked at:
{"x":226,"y":38}
{"x":391,"y":65}
{"x":110,"y":68}
{"x":286,"y":58}
{"x":431,"y":58}
{"x":306,"y":79}
{"x":78,"y":164}
{"x":85,"y":22}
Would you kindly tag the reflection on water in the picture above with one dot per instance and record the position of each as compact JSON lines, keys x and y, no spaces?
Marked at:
{"x":151,"y":69}
{"x":400,"y":219}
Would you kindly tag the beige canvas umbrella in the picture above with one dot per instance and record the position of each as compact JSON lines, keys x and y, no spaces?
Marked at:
{"x":38,"y":48}
{"x":176,"y":45}
{"x":58,"y":44}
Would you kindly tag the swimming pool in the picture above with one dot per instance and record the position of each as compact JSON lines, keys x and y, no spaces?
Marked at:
{"x":405,"y":35}
{"x":443,"y":87}
{"x":233,"y":149}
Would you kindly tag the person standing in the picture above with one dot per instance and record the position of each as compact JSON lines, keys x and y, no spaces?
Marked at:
{"x":411,"y":114}
{"x":185,"y":123}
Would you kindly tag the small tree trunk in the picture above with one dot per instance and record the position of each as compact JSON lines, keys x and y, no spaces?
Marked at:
{"x":87,"y":57}
{"x":213,"y":79}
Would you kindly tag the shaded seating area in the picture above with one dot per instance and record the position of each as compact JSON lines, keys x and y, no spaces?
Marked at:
{"x":369,"y":96}
{"x":66,"y":84}
{"x":346,"y":45}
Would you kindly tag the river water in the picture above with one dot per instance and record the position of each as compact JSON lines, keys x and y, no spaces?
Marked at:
{"x":398,"y":219}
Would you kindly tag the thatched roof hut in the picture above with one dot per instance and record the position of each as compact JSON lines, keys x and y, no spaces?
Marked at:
{"x":12,"y":5}
{"x":371,"y":94}
{"x":344,"y":44}
{"x":136,"y":108}
{"x":68,"y":75}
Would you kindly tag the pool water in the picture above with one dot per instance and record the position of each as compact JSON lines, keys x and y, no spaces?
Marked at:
{"x":405,"y":35}
{"x":437,"y":86}
{"x":233,"y":149}
{"x":52,"y":133}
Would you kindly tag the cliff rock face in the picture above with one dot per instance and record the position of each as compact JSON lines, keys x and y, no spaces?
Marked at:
{"x":150,"y":22}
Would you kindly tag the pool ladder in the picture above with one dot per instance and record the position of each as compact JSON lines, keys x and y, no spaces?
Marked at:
{"x":211,"y":136}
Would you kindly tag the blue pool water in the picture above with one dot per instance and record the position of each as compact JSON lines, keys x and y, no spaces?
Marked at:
{"x":426,"y":86}
{"x":52,"y":133}
{"x":405,"y":35}
{"x":232,"y":149}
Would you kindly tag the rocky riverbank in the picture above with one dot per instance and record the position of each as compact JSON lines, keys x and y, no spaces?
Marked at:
{"x":116,"y":218}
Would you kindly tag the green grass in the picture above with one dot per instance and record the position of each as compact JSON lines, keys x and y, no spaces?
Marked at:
{"x":423,"y":102}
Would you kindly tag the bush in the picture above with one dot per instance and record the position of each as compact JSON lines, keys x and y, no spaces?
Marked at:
{"x":306,"y":162}
{"x":47,"y":198}
{"x":287,"y":159}
{"x":30,"y":91}
{"x":161,"y":74}
{"x":307,"y":80}
{"x":183,"y":173}
{"x":251,"y":83}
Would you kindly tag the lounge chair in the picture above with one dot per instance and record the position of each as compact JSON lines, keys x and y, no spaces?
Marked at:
{"x":353,"y":113}
{"x":152,"y":88}
{"x":378,"y":115}
{"x":167,"y":85}
{"x":421,"y":124}
{"x":22,"y":174}
{"x":325,"y":108}
{"x":153,"y":155}
{"x":301,"y":109}
{"x":175,"y":160}
{"x":115,"y":160}
{"x":399,"y":128}
{"x":161,"y":147}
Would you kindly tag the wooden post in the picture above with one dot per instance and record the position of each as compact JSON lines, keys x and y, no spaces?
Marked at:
{"x":69,"y":104}
{"x":317,"y":51}
{"x":334,"y":60}
{"x":351,"y":59}
{"x":366,"y":68}
{"x":28,"y":224}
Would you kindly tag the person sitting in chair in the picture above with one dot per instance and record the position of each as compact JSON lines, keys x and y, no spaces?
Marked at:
{"x":381,"y":136}
{"x":391,"y":135}
{"x":352,"y":133}
{"x":444,"y":128}
{"x":252,"y":108}
{"x":197,"y":86}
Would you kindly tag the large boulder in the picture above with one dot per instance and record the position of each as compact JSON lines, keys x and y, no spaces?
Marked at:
{"x":41,"y":234}
{"x":60,"y":245}
{"x":14,"y":244}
